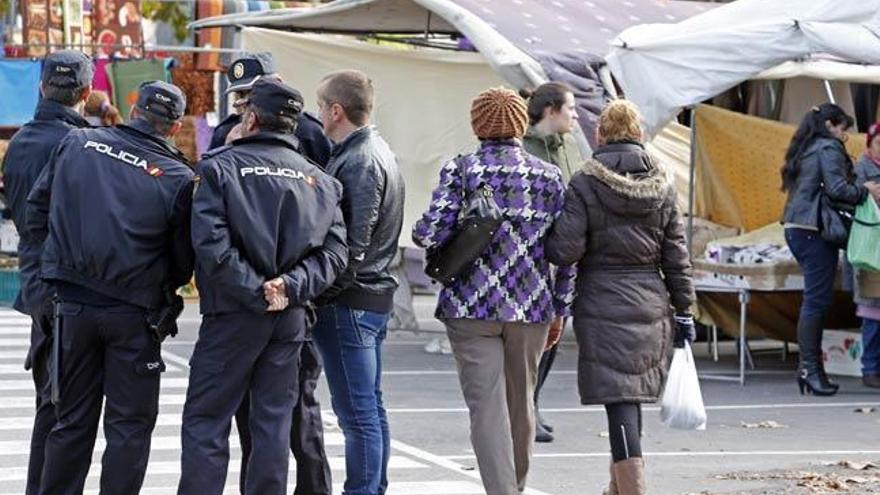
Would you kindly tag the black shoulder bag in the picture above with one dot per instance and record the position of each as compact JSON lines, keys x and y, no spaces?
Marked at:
{"x":835,"y":220}
{"x":478,"y":221}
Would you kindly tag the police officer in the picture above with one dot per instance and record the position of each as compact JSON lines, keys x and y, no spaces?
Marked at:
{"x":242,"y":75}
{"x":116,"y":233}
{"x":307,"y":444}
{"x":269,"y":236}
{"x":65,"y":84}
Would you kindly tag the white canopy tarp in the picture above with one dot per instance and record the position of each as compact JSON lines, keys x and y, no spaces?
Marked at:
{"x":423,"y":97}
{"x":707,"y":54}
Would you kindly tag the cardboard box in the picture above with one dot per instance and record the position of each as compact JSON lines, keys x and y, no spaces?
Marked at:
{"x":842,"y":352}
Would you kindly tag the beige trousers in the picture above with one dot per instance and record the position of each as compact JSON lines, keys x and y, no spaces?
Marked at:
{"x":497,"y":368}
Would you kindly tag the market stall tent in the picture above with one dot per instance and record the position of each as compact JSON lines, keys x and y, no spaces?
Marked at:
{"x":703,"y":56}
{"x":424,"y":93}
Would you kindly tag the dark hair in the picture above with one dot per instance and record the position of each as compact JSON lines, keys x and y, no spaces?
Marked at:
{"x":66,"y":96}
{"x":271,"y":122}
{"x":551,"y":94}
{"x":352,"y":90}
{"x":162,"y":125}
{"x":811,"y":128}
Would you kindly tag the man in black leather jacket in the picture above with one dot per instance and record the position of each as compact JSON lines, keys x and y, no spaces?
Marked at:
{"x":269,"y":237}
{"x":353,"y":314}
{"x":66,"y":83}
{"x":113,"y":206}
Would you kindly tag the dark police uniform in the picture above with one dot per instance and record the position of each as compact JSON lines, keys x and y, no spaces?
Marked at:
{"x":309,"y":131}
{"x":307,"y":444}
{"x":28,"y":152}
{"x":260,"y":211}
{"x":114,"y":207}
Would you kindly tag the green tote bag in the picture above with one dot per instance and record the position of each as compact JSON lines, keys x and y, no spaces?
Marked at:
{"x":863,"y":248}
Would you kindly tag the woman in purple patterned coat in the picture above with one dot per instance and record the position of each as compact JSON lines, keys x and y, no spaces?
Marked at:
{"x":502,"y":313}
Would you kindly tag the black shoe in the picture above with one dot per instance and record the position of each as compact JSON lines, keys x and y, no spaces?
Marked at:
{"x":542,"y":435}
{"x":872,"y":381}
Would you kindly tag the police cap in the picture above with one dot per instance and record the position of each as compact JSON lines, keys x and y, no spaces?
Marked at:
{"x":275,"y":97}
{"x":247,"y":70}
{"x":162,"y":99}
{"x":67,"y":69}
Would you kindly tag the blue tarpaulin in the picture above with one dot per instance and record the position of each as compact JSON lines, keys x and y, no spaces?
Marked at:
{"x":19,"y":90}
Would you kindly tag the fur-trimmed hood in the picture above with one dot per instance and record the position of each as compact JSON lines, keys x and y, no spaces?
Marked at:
{"x":626,"y":178}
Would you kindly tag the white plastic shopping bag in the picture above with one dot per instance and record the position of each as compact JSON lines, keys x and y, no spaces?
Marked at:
{"x":682,"y":404}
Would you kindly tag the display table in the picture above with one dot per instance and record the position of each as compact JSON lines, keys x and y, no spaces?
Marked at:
{"x":742,"y":280}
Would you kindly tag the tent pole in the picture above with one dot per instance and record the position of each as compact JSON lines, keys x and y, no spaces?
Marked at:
{"x":828,"y":91}
{"x":691,"y":181}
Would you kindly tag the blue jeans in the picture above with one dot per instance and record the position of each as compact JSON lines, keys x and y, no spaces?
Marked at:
{"x":870,"y":347}
{"x":818,"y":260}
{"x":350,"y":342}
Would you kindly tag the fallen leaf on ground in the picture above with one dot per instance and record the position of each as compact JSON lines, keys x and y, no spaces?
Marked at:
{"x":858,"y":466}
{"x":770,"y":425}
{"x":603,"y":434}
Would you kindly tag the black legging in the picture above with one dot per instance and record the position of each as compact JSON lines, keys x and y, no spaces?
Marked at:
{"x":624,"y":430}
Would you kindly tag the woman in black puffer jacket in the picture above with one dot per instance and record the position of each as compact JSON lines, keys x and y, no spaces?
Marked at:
{"x":621,"y":225}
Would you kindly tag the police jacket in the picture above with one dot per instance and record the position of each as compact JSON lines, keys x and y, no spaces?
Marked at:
{"x":309,"y":132}
{"x":263,"y":211}
{"x":118,"y":222}
{"x":824,"y":166}
{"x":28,"y":152}
{"x":373,"y":208}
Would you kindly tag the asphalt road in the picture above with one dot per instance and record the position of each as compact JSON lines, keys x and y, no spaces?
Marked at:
{"x":761,"y":438}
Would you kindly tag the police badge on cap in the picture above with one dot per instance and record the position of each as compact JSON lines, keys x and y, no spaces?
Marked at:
{"x":247,"y":70}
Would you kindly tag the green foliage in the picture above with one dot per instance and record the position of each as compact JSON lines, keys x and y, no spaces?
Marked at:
{"x":5,"y":5}
{"x":172,"y":13}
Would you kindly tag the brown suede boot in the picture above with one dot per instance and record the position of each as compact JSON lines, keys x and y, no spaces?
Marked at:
{"x":630,"y":476}
{"x":612,"y":485}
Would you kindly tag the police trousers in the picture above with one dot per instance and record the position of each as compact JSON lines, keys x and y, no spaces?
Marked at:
{"x":306,"y":433}
{"x":44,"y":417}
{"x":239,"y":354}
{"x":107,"y":353}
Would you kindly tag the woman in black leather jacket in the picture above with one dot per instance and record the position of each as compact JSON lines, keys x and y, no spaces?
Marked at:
{"x":816,"y":163}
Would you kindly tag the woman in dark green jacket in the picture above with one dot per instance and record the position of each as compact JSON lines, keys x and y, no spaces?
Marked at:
{"x":552,"y":114}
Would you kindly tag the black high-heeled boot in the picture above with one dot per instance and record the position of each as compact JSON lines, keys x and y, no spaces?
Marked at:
{"x":820,"y":359}
{"x":811,"y":379}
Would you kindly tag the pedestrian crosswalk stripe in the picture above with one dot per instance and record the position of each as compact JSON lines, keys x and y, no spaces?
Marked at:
{"x":337,"y":463}
{"x":158,"y":443}
{"x":23,"y":384}
{"x":14,"y":329}
{"x":14,"y":369}
{"x":395,"y":488}
{"x":15,"y":342}
{"x":14,"y":355}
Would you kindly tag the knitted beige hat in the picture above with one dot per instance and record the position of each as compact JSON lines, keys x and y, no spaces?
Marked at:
{"x":499,"y":113}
